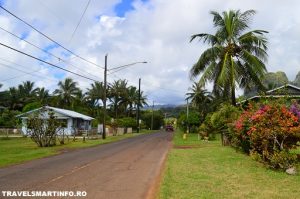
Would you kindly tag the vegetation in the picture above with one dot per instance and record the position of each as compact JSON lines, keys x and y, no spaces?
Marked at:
{"x":209,"y":170}
{"x":269,"y":132}
{"x":158,"y":119}
{"x":68,"y":95}
{"x":235,"y":57}
{"x":43,"y":131}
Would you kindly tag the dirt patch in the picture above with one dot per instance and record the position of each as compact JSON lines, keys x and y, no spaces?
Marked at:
{"x":186,"y":147}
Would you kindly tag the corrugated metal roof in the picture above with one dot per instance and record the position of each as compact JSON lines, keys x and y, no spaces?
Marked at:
{"x":68,"y":113}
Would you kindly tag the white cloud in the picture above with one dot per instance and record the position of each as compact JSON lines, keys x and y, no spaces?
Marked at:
{"x":156,"y":31}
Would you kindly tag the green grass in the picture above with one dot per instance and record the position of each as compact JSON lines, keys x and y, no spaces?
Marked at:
{"x":214,"y":171}
{"x":19,"y":150}
{"x":191,"y":139}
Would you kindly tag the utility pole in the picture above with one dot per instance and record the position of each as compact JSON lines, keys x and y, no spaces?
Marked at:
{"x":187,"y":115}
{"x":138,"y":108}
{"x":152,"y":116}
{"x":104,"y":101}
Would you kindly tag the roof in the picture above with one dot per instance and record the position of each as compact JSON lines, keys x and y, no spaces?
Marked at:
{"x":65,"y":112}
{"x":284,"y":86}
{"x":273,"y":94}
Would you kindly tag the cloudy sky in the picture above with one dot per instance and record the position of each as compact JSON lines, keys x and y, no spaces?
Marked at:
{"x":156,"y":31}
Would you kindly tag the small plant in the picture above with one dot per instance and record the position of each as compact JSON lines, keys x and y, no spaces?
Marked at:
{"x":42,"y":127}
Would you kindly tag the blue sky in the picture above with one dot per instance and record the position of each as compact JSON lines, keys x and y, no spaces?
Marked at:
{"x":124,"y":6}
{"x":156,"y":31}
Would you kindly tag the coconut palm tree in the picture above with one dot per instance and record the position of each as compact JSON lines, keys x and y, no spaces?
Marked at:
{"x":200,"y":97}
{"x":66,"y":92}
{"x":118,"y":94}
{"x":235,"y":57}
{"x":95,"y":94}
{"x":27,"y":92}
{"x":42,"y":95}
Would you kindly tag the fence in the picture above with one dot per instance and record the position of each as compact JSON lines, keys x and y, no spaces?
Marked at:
{"x":10,"y":132}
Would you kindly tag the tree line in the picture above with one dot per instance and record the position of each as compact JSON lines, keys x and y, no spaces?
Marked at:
{"x":122,"y":98}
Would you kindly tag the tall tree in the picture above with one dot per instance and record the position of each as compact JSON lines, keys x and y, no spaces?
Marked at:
{"x":118,"y":94}
{"x":66,"y":92}
{"x":234,"y":57}
{"x":96,"y":93}
{"x":42,"y":95}
{"x":27,"y":92}
{"x":200,"y":98}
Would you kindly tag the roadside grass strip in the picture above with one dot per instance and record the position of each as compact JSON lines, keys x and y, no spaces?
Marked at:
{"x":209,"y":170}
{"x":16,"y":150}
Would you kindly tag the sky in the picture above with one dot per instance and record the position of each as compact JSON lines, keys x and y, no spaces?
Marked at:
{"x":128,"y":31}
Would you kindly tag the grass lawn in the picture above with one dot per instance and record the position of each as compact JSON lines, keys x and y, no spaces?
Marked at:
{"x":18,"y":150}
{"x":213,"y":171}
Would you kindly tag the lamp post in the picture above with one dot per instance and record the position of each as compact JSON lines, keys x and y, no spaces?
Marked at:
{"x":115,"y":69}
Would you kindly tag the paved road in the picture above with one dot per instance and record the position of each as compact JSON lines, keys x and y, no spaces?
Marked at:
{"x":123,"y":169}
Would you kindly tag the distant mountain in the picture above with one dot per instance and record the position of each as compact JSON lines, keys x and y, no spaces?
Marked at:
{"x":169,"y":110}
{"x":296,"y":82}
{"x":271,"y":80}
{"x":157,"y":107}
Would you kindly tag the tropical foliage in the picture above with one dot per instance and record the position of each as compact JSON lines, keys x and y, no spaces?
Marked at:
{"x":235,"y":57}
{"x":122,"y":99}
{"x":269,"y":132}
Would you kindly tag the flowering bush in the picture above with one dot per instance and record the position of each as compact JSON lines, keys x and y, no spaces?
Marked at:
{"x":269,"y":131}
{"x":295,"y":109}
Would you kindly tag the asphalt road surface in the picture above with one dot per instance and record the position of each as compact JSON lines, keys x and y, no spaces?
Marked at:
{"x":125,"y":169}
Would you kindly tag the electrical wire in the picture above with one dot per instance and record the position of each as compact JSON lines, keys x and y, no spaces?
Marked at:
{"x":26,"y":73}
{"x":49,"y":38}
{"x":87,"y":5}
{"x":33,"y":57}
{"x":45,"y":51}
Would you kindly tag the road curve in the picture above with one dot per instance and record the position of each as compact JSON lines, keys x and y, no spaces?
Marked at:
{"x":123,"y":169}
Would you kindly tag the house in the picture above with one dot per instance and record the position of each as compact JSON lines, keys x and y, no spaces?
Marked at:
{"x":288,"y":90}
{"x":73,"y":121}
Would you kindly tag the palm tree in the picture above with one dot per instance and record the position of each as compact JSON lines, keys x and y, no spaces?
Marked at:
{"x":130,"y":98}
{"x":14,"y":99}
{"x":66,"y":92}
{"x":234,"y":57}
{"x":27,"y":92}
{"x":118,"y":94}
{"x":42,"y":95}
{"x":95,"y":94}
{"x":200,"y":98}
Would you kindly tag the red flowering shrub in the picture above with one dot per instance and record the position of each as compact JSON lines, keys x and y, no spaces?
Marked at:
{"x":270,"y":132}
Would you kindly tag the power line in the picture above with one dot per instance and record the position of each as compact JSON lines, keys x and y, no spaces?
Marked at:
{"x":26,"y":73}
{"x":31,"y":56}
{"x":87,"y":5}
{"x":49,"y":38}
{"x":45,"y":51}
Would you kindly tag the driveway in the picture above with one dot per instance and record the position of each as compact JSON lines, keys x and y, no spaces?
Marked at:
{"x":125,"y":169}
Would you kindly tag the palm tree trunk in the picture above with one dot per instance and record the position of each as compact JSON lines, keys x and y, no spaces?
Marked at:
{"x":233,"y":100}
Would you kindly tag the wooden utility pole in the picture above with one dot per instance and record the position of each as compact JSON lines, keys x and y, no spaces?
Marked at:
{"x":187,"y":116}
{"x":104,"y":101}
{"x":152,"y":116}
{"x":138,"y":108}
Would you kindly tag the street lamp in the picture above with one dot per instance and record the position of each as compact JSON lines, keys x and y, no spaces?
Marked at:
{"x":115,"y":69}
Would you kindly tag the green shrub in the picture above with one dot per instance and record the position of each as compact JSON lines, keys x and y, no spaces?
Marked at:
{"x":127,"y":122}
{"x":282,"y":160}
{"x":206,"y":128}
{"x":158,"y":119}
{"x":222,"y":120}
